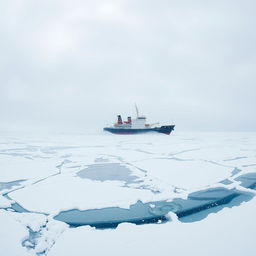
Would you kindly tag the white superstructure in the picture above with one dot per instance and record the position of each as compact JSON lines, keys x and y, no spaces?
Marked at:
{"x":139,"y":122}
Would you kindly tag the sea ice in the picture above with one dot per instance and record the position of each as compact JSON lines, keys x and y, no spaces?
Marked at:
{"x":50,"y":174}
{"x":11,"y":236}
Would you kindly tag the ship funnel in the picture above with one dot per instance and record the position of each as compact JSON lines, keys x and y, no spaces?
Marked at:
{"x":119,"y":119}
{"x":129,"y":120}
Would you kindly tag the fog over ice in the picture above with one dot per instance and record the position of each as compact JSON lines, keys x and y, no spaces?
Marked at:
{"x":77,"y":64}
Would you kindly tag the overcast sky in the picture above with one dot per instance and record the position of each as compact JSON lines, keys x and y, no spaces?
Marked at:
{"x":77,"y":64}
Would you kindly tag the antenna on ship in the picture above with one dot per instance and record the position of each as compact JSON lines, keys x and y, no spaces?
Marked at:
{"x":137,"y":111}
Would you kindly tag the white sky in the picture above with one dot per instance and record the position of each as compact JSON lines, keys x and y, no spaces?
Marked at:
{"x":77,"y":64}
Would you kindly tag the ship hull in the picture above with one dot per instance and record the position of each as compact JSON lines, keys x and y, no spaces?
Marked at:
{"x":167,"y":129}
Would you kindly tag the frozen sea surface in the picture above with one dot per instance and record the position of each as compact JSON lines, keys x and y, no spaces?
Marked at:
{"x":189,"y":182}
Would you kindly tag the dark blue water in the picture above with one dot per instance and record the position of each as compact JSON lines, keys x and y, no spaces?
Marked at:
{"x":108,"y":171}
{"x":9,"y":185}
{"x":196,"y":207}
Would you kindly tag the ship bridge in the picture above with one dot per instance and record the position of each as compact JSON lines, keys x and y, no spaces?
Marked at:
{"x":139,"y":122}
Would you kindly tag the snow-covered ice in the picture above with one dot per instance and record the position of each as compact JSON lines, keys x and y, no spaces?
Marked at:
{"x":50,"y":174}
{"x":11,"y":236}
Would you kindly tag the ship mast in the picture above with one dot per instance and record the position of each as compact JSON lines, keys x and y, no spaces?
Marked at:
{"x":137,"y":111}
